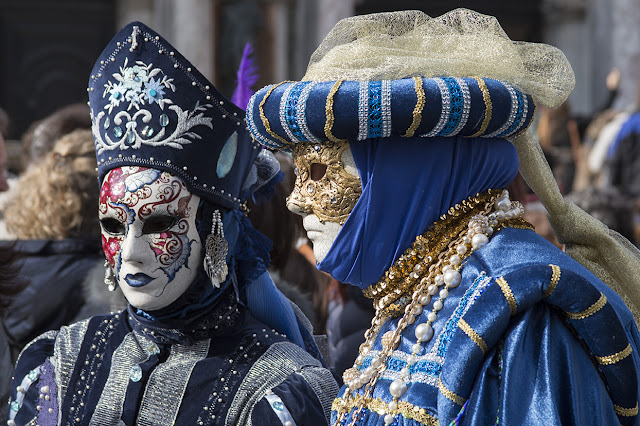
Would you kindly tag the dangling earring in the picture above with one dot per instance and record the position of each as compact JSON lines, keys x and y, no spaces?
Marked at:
{"x":109,"y":277}
{"x":215,"y":258}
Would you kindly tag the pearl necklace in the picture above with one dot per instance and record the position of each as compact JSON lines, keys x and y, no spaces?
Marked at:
{"x":435,"y":272}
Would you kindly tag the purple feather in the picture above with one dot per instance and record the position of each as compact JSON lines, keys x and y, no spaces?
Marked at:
{"x":247,"y":77}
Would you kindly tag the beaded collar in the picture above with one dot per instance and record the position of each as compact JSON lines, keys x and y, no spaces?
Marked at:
{"x":429,"y":268}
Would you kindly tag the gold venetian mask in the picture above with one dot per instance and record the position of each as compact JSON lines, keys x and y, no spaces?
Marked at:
{"x":323,"y":186}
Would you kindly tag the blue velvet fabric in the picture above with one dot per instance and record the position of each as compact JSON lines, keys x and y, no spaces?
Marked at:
{"x":448,"y":110}
{"x":395,"y":208}
{"x":540,"y":366}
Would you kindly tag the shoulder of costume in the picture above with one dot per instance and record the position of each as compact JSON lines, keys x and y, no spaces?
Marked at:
{"x":593,"y":312}
{"x":280,"y":360}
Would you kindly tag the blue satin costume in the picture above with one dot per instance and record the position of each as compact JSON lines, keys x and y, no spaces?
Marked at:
{"x":557,"y":346}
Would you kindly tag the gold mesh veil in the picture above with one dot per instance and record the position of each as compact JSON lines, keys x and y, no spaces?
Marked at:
{"x":461,"y":43}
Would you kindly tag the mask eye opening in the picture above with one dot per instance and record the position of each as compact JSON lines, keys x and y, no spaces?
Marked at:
{"x":317,"y":171}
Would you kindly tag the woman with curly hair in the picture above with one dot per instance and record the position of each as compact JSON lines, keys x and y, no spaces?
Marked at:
{"x":51,"y":213}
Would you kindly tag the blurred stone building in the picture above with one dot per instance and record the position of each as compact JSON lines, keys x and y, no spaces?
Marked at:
{"x":48,"y":47}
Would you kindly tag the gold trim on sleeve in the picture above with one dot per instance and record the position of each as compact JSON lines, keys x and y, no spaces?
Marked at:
{"x":263,"y":117}
{"x":488,"y":107}
{"x":612,"y":359}
{"x":626,"y":412}
{"x":508,"y":294}
{"x":473,"y":335}
{"x":589,"y":311}
{"x":329,"y":111}
{"x":555,"y":277}
{"x":405,"y":409}
{"x":417,"y":110}
{"x":452,"y":396}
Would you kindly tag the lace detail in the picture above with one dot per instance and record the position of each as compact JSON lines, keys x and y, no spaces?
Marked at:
{"x":375,"y":109}
{"x":520,"y":115}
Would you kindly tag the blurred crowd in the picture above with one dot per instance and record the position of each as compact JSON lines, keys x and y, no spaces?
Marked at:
{"x":52,"y":266}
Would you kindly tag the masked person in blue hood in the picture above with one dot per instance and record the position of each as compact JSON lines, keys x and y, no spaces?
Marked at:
{"x":405,"y":130}
{"x":207,"y":338}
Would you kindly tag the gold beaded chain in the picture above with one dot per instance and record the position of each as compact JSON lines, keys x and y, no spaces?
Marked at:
{"x":427,"y":265}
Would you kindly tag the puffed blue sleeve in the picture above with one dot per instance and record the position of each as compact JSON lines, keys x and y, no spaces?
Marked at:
{"x":292,"y":402}
{"x":540,"y":374}
{"x":33,"y":387}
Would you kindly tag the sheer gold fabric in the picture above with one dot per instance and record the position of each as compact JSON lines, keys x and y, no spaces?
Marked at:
{"x":461,"y":43}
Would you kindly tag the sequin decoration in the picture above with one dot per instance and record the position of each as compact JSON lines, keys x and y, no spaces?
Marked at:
{"x":227,"y":156}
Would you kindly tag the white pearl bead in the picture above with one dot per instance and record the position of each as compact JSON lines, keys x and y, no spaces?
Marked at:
{"x":445,"y":268}
{"x":489,"y":231}
{"x":417,"y":309}
{"x":432,"y":289}
{"x":393,"y":406}
{"x":461,"y":249}
{"x":510,"y":214}
{"x":405,"y":372}
{"x":444,"y":293}
{"x":411,"y":319}
{"x":439,"y":279}
{"x":398,"y":388}
{"x":452,"y":277}
{"x":437,"y":305}
{"x":375,"y":362}
{"x":455,"y":260}
{"x":466,"y":239}
{"x":500,"y":215}
{"x":388,"y":419}
{"x":424,"y":299}
{"x":424,"y":332}
{"x":359,"y":359}
{"x":432,"y":317}
{"x":503,"y":204}
{"x":479,"y":241}
{"x":416,"y":348}
{"x":413,"y":358}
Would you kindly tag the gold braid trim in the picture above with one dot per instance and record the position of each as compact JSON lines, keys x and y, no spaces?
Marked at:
{"x":452,"y":396}
{"x":590,"y":310}
{"x":473,"y":335}
{"x":417,"y":110}
{"x":405,"y":409}
{"x":555,"y":277}
{"x":488,"y":107}
{"x":626,"y":412}
{"x":508,"y":294}
{"x":612,"y":359}
{"x":264,"y":119}
{"x":329,"y":111}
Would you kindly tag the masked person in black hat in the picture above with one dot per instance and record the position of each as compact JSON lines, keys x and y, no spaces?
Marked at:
{"x":206,"y":338}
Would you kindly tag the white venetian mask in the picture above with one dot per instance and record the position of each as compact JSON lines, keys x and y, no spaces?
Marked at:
{"x":149,"y":234}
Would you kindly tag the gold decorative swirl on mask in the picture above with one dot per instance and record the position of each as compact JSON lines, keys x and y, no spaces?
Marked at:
{"x":331,"y":197}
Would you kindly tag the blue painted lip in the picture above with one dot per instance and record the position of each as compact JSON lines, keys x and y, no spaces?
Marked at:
{"x":138,"y":280}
